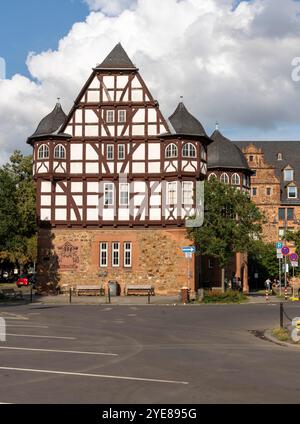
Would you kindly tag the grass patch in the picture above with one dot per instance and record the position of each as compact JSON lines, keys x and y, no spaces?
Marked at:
{"x":282,"y":334}
{"x":230,"y":296}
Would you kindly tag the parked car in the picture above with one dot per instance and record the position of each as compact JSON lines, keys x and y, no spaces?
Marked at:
{"x":26,"y":280}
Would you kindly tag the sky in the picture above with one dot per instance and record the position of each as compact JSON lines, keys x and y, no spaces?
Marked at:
{"x":230,"y":60}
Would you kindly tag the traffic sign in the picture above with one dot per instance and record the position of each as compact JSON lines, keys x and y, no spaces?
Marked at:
{"x":188,"y":255}
{"x":279,"y":245}
{"x":285,"y":251}
{"x":294,"y":264}
{"x":188,"y":249}
{"x":294,"y":257}
{"x":279,"y":255}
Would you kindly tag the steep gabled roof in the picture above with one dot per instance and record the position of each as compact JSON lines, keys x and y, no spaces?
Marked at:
{"x":117,"y":59}
{"x":51,"y":123}
{"x":185,"y":123}
{"x":222,"y":153}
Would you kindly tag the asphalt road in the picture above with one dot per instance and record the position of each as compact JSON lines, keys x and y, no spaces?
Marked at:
{"x":145,"y":354}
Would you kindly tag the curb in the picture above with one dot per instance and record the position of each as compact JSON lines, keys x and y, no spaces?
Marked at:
{"x":268,"y":336}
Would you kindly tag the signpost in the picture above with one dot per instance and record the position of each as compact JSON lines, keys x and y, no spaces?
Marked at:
{"x":188,"y":251}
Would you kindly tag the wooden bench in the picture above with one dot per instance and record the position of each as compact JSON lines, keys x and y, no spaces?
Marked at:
{"x":142,"y":289}
{"x":89,"y":290}
{"x":12,"y":293}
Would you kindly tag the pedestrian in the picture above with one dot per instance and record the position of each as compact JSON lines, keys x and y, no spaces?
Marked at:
{"x":239,"y":284}
{"x":268,"y":284}
{"x":234,"y":281}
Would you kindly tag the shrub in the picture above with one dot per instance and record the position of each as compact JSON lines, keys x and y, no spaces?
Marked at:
{"x":230,"y":296}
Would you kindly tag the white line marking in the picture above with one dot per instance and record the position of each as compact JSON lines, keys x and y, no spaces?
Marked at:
{"x":27,"y":326}
{"x":79,"y":374}
{"x":58,"y":351}
{"x":40,"y":337}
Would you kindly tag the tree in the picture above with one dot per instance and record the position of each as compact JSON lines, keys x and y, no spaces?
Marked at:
{"x":264,"y":260}
{"x":232,"y":223}
{"x":17,"y":211}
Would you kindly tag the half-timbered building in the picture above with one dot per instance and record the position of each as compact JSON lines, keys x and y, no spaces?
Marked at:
{"x":115,"y":184}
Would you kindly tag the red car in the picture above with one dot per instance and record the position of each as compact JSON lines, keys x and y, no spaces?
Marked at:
{"x":26,"y":280}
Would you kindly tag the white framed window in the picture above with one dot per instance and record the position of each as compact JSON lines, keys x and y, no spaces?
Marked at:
{"x":171,"y":151}
{"x":172,"y":193}
{"x":235,"y":179}
{"x":110,"y":116}
{"x":124,"y":194}
{"x":121,"y":151}
{"x":127,"y":254}
{"x":292,"y":192}
{"x":110,"y":152}
{"x":122,"y":116}
{"x":187,"y":192}
{"x":115,"y":254}
{"x":103,"y":254}
{"x":224,"y":178}
{"x":108,"y":194}
{"x":211,"y":176}
{"x":279,"y":156}
{"x":59,"y":152}
{"x":288,"y":174}
{"x":189,"y":151}
{"x":43,"y":152}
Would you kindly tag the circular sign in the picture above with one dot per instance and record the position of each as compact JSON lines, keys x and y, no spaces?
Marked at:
{"x":294,"y":257}
{"x":279,"y":245}
{"x":285,"y":251}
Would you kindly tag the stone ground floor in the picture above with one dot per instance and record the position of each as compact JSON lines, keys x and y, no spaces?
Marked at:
{"x":68,"y":257}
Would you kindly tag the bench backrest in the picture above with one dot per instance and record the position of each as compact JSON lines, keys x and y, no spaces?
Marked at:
{"x":138,"y":287}
{"x":88,"y":287}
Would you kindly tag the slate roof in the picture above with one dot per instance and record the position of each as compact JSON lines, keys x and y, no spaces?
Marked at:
{"x":290,"y":156}
{"x":222,"y":153}
{"x":117,"y":59}
{"x":185,"y":123}
{"x":51,"y":123}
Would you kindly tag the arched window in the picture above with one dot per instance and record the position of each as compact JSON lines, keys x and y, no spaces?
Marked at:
{"x":224,"y":178}
{"x":59,"y":152}
{"x":43,"y":152}
{"x":171,"y":151}
{"x":235,"y":179}
{"x":279,"y":156}
{"x":189,"y":151}
{"x":211,"y":176}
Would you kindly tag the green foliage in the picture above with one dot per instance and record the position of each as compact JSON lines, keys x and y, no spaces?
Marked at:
{"x":230,"y":296}
{"x":263,"y":255}
{"x":17,"y":211}
{"x":232,"y":222}
{"x":282,"y":334}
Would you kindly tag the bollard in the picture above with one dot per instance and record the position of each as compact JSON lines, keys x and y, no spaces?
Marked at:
{"x":31,"y":294}
{"x":281,"y":315}
{"x":285,"y":293}
{"x":149,"y":294}
{"x":70,"y":295}
{"x":267,"y":295}
{"x":109,"y":301}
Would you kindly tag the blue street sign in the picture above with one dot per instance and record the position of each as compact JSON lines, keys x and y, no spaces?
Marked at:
{"x":188,"y":249}
{"x":279,"y":245}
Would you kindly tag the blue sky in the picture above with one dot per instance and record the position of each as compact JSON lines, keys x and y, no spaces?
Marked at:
{"x":34,"y":25}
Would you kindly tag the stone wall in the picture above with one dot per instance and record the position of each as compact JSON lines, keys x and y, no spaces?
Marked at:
{"x":70,"y":257}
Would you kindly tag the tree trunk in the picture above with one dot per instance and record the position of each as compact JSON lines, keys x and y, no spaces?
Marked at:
{"x":223,"y":279}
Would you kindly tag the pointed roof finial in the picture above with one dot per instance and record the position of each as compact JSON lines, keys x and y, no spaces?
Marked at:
{"x":217,"y":126}
{"x":181,"y":98}
{"x":58,"y":99}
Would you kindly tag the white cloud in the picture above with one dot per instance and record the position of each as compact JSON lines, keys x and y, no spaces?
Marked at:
{"x":110,"y":7}
{"x":233,"y":66}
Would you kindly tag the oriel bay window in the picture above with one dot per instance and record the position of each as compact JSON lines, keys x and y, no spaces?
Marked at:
{"x":187,"y":192}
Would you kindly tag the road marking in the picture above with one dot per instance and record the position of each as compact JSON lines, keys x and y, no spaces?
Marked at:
{"x":41,"y":337}
{"x":79,"y":374}
{"x":8,"y":315}
{"x":58,"y":351}
{"x":27,"y":326}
